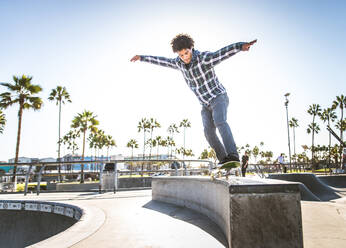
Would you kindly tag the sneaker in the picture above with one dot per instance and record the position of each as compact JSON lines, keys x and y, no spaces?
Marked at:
{"x":228,"y":158}
{"x":232,"y":158}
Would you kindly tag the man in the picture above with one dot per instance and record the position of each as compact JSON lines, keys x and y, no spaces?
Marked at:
{"x":281,"y":161}
{"x":244,"y":164}
{"x":198,"y":71}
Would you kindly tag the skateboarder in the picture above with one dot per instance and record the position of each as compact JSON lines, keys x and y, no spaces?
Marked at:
{"x":198,"y":70}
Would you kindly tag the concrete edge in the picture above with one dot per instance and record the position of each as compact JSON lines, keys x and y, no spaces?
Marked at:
{"x":91,"y":220}
{"x":43,"y":206}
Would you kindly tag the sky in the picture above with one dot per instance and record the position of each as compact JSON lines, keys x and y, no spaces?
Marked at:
{"x":87,"y":45}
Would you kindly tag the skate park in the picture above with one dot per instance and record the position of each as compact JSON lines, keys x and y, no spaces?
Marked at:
{"x":279,"y":210}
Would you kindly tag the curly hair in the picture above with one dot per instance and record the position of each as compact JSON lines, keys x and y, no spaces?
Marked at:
{"x":182,"y":41}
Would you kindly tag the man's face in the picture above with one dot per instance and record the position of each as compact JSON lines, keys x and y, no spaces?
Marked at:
{"x":185,"y":55}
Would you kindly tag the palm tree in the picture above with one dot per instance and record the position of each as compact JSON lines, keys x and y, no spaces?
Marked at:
{"x":341,"y":125}
{"x":170,"y":144}
{"x":21,"y":92}
{"x":110,"y":142}
{"x":185,"y":123}
{"x":341,"y":103}
{"x":328,"y":115}
{"x":171,"y":130}
{"x":152,"y":125}
{"x":60,"y":95}
{"x":144,"y":125}
{"x":314,"y":110}
{"x":2,"y":121}
{"x":92,"y":139}
{"x":158,"y":140}
{"x":255,"y":152}
{"x":185,"y":152}
{"x":313,"y":128}
{"x":86,"y":121}
{"x":208,"y":153}
{"x":70,"y":140}
{"x":132,"y":144}
{"x":163,"y":142}
{"x":293,"y":123}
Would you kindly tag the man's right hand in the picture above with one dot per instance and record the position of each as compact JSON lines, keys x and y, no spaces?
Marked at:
{"x":135,"y":58}
{"x":247,"y":46}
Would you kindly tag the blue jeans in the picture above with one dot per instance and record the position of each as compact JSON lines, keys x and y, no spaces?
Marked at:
{"x":215,"y":116}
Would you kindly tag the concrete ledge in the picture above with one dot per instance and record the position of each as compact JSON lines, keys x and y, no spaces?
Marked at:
{"x":76,"y":187}
{"x":251,"y":213}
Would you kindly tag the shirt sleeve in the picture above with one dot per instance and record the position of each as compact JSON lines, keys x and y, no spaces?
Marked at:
{"x":166,"y":62}
{"x":214,"y":58}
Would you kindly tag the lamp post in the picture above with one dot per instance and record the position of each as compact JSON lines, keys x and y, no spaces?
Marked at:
{"x":288,"y":130}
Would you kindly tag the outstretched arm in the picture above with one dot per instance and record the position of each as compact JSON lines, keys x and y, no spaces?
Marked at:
{"x":214,"y":58}
{"x":156,"y":60}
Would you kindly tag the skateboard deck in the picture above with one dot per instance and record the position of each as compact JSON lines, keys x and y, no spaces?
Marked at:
{"x":226,"y":167}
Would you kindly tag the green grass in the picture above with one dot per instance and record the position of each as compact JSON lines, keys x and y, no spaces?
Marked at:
{"x":130,"y":176}
{"x":31,"y":186}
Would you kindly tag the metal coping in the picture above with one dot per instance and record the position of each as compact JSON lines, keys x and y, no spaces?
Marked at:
{"x":43,"y":206}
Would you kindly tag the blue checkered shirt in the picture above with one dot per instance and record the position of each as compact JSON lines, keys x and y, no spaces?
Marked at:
{"x":199,"y":74}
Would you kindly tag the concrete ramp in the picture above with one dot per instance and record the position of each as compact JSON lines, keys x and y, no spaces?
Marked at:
{"x":24,"y":223}
{"x":337,"y":181}
{"x":312,"y":189}
{"x":251,"y":213}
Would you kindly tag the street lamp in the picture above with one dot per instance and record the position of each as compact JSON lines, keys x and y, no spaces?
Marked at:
{"x":288,"y":130}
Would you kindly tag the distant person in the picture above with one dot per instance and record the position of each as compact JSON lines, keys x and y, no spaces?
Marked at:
{"x":281,"y":160}
{"x":198,"y":70}
{"x":244,"y":164}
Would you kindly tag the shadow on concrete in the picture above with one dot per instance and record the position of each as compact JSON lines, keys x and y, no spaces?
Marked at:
{"x":189,"y":216}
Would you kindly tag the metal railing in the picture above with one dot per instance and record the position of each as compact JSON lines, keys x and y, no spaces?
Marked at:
{"x":100,"y":165}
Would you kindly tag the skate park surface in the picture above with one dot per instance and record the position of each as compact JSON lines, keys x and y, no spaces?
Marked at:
{"x":133,"y":219}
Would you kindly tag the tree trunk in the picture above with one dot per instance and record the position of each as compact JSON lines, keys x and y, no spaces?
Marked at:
{"x":20,"y":113}
{"x":151,"y":144}
{"x":313,"y":149}
{"x":294,"y":140}
{"x":312,"y":145}
{"x":329,"y":147}
{"x":131,"y":164}
{"x":184,"y":144}
{"x":82,"y":168}
{"x":59,"y":165}
{"x":341,"y":134}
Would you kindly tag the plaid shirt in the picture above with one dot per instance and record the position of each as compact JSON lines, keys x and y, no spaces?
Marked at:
{"x":199,"y":74}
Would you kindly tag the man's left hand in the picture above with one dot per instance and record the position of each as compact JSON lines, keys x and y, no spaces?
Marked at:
{"x":246,"y":46}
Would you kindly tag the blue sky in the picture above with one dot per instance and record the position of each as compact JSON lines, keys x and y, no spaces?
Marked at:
{"x":86,"y":46}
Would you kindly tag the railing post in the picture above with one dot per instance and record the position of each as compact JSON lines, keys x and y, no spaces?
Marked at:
{"x":39,"y":179}
{"x":211,"y":165}
{"x":27,"y":180}
{"x":100,"y":175}
{"x":115,"y":177}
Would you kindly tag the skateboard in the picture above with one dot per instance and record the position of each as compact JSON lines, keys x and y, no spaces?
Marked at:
{"x":226,"y":167}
